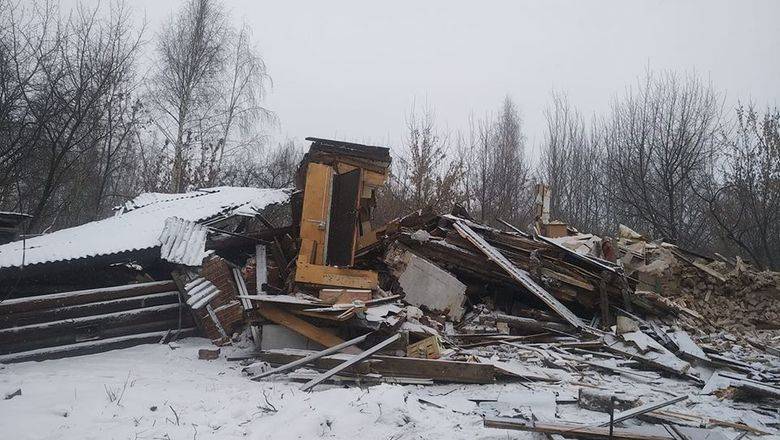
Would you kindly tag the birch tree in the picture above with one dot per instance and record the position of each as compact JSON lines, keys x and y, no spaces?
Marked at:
{"x":208,"y":89}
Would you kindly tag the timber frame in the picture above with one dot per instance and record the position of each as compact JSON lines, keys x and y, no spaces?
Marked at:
{"x":339,"y":193}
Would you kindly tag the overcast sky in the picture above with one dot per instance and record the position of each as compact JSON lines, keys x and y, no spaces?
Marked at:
{"x":352,"y":69}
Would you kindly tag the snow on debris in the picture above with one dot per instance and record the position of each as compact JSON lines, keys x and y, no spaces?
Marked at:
{"x":165,"y":392}
{"x":158,"y":391}
{"x":137,"y":225}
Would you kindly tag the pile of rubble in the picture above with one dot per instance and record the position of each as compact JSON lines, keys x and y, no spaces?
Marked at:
{"x":434,"y":298}
{"x":431,"y":298}
{"x":729,"y":297}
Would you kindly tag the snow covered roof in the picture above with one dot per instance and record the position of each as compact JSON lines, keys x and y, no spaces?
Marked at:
{"x":138,"y":224}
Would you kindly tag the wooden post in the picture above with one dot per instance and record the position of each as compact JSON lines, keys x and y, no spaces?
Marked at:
{"x":604,"y":295}
{"x":261,"y":268}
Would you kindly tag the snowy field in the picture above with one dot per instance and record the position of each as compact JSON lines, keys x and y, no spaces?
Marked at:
{"x":166,"y":392}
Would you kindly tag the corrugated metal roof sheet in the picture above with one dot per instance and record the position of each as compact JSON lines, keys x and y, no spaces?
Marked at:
{"x":137,"y":225}
{"x":183,"y":242}
{"x":199,"y":292}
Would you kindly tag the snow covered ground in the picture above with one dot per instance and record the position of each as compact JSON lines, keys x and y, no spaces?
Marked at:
{"x":162,"y":392}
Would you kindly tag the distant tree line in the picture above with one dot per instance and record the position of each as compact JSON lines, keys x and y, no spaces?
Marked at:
{"x":666,"y":159}
{"x":84,"y":126}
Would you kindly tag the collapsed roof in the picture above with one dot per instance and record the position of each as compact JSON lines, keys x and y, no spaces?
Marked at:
{"x":138,"y":224}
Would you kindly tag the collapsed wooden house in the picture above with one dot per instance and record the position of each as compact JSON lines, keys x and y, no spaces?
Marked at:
{"x":108,"y":283}
{"x":421,"y":300}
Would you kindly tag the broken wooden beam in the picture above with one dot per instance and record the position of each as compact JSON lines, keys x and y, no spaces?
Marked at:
{"x":643,"y":409}
{"x":298,"y":325}
{"x":354,"y":360}
{"x":89,"y":347}
{"x":437,"y":369}
{"x":527,"y":323}
{"x":517,"y":274}
{"x":311,"y":357}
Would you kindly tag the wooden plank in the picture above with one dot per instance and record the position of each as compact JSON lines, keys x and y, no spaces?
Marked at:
{"x":335,"y":276}
{"x":217,"y":323}
{"x":299,"y":326}
{"x":94,"y":332}
{"x":311,"y":357}
{"x":527,"y":323}
{"x":343,"y":315}
{"x":437,"y":369}
{"x":246,"y":304}
{"x":26,"y":304}
{"x":344,"y":296}
{"x":517,"y":274}
{"x":572,"y":430}
{"x":354,"y":360}
{"x":116,"y":319}
{"x":642,"y":409}
{"x":316,"y":210}
{"x":710,"y":272}
{"x":81,"y":310}
{"x":514,"y":228}
{"x":287,"y":301}
{"x":90,"y":347}
{"x":360,"y":379}
{"x":566,"y":279}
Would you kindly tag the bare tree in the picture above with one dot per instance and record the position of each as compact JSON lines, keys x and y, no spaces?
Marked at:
{"x":660,"y":142}
{"x":208,"y":87}
{"x":496,"y":172}
{"x":68,"y":75}
{"x":424,"y":175}
{"x":511,"y":172}
{"x":271,"y":168}
{"x":571,"y":166}
{"x":25,"y":41}
{"x":746,"y":206}
{"x":242,"y":105}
